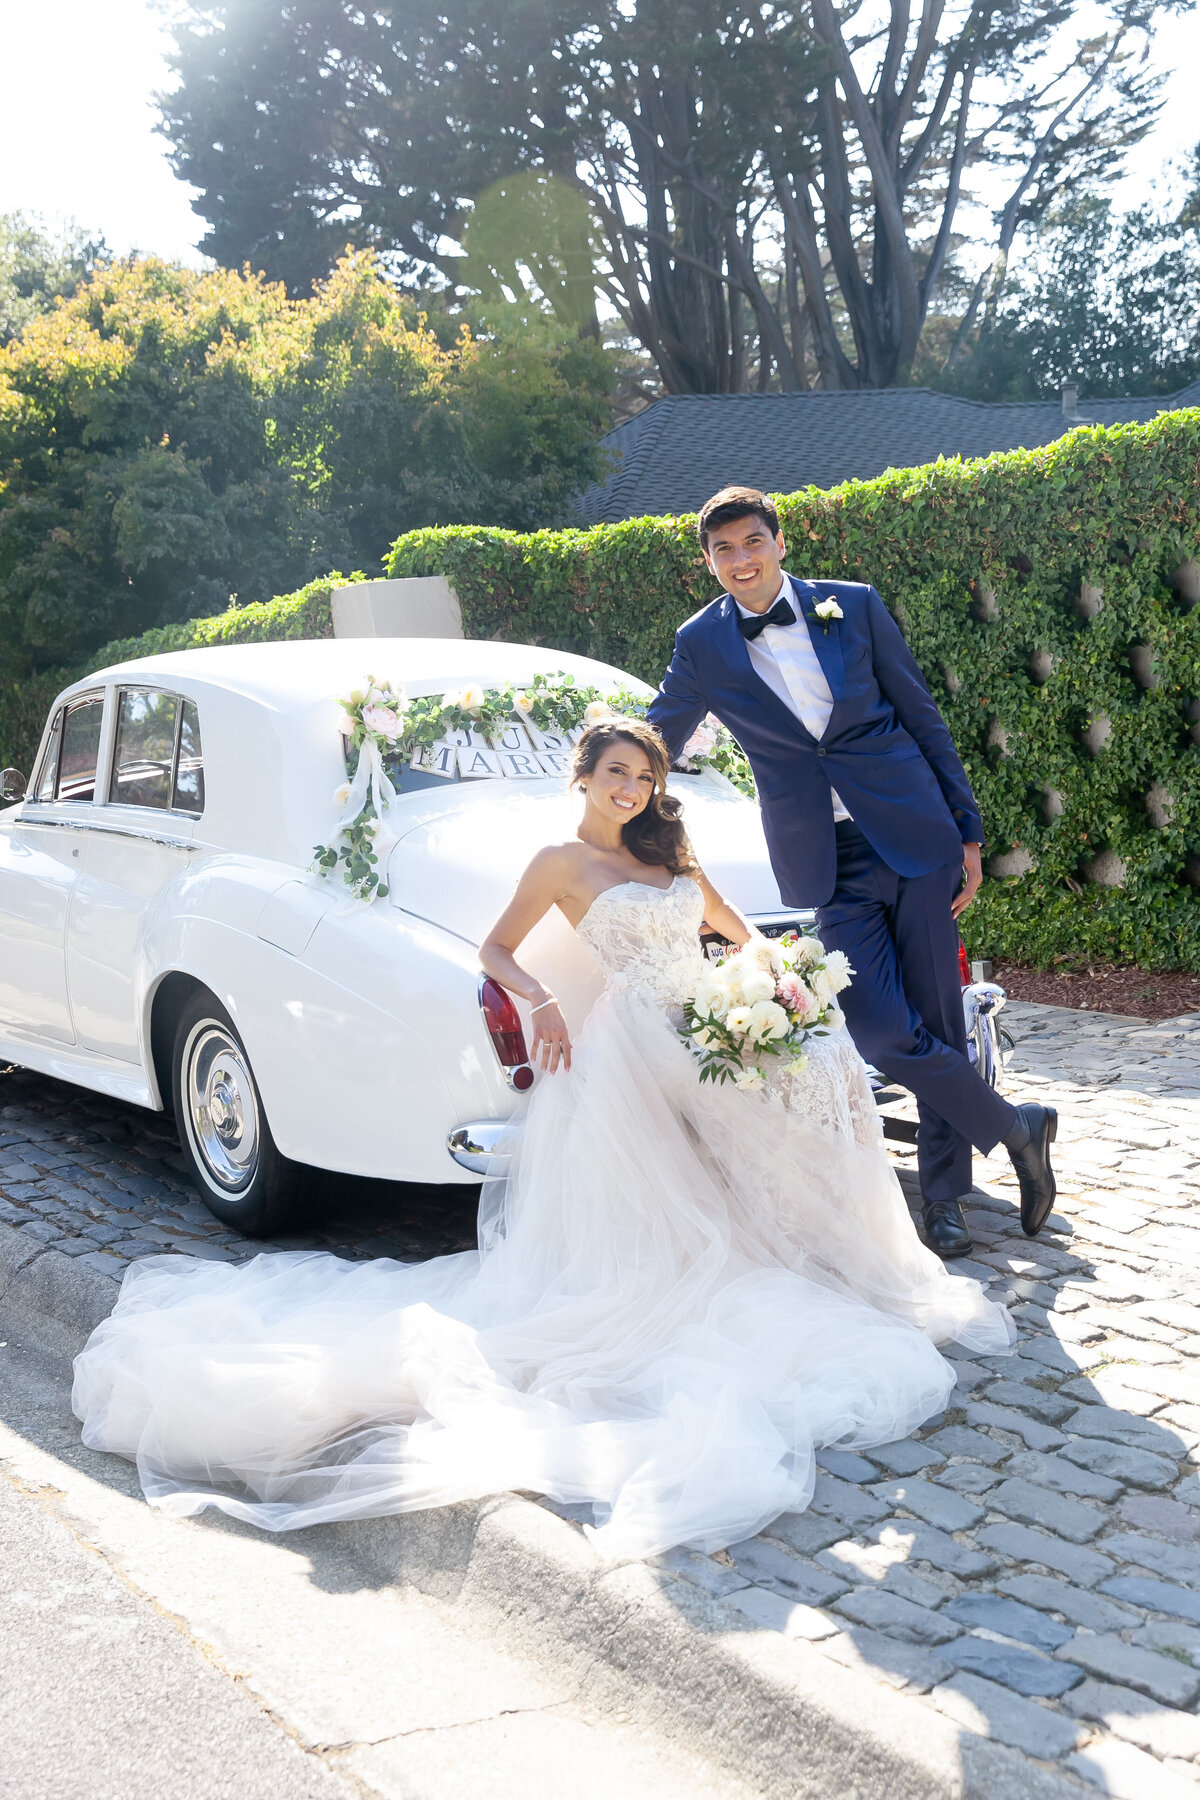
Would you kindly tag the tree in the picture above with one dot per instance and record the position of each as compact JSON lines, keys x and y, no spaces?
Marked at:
{"x":773,"y":188}
{"x":168,"y":437}
{"x":1109,"y":300}
{"x":37,"y":268}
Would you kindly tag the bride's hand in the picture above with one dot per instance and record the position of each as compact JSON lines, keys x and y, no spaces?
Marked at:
{"x":551,"y":1040}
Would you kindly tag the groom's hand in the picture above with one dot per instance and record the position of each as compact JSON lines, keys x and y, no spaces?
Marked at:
{"x":972,"y":876}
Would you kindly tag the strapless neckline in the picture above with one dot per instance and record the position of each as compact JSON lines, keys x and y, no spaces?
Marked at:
{"x":651,"y":887}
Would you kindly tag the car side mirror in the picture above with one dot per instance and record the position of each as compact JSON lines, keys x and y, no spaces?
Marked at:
{"x":12,"y":784}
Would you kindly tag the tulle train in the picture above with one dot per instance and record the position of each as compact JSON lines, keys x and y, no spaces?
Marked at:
{"x":680,"y":1293}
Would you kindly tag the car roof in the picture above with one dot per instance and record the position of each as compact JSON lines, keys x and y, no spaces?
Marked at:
{"x":297,"y":672}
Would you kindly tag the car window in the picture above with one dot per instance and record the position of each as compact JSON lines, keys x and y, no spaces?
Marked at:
{"x":144,"y":753}
{"x":48,"y":773}
{"x":79,"y":750}
{"x":189,"y":763}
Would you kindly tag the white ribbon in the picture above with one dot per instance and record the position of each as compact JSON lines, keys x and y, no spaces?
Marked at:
{"x":371,"y":789}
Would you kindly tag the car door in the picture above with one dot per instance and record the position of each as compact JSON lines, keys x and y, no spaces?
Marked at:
{"x":140,"y":841}
{"x":41,"y":846}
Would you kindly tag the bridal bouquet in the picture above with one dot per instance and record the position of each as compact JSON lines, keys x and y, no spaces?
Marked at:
{"x":764,"y":1000}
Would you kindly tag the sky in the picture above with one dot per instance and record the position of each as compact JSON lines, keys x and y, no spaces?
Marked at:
{"x":77,"y":137}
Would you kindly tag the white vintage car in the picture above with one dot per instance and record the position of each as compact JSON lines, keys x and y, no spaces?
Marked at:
{"x":164,"y":939}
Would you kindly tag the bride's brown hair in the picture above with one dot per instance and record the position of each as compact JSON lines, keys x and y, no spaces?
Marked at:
{"x":656,"y":835}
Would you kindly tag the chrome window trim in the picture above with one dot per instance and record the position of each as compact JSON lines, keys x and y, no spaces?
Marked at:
{"x":49,"y":745}
{"x":108,"y":738}
{"x":109,"y":828}
{"x":186,"y":812}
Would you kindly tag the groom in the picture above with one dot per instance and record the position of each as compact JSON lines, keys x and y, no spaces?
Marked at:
{"x":869,"y":818}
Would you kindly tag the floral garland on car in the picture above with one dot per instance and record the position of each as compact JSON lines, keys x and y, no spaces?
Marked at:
{"x":383,"y":726}
{"x":766,"y":999}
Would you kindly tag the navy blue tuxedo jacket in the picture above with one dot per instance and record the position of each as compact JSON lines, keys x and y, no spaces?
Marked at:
{"x":886,"y":749}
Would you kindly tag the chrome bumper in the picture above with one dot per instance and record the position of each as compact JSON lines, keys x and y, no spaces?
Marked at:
{"x":473,"y":1145}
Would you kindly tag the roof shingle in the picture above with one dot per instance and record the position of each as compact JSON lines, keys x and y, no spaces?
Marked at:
{"x":681,"y":449}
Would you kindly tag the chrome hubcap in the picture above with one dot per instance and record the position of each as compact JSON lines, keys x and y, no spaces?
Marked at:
{"x":222,"y":1107}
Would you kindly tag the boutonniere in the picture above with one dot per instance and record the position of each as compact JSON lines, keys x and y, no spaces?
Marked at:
{"x":827,"y":610}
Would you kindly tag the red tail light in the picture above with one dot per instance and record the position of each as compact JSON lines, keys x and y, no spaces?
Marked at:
{"x":964,"y":967}
{"x":504,"y":1027}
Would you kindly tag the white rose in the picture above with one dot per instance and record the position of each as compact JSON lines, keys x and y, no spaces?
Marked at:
{"x":522,"y":702}
{"x":768,"y":1020}
{"x":761,"y":953}
{"x":599,"y":709}
{"x":341,"y":794}
{"x":828,"y":609}
{"x":472,"y":697}
{"x":737,"y":966}
{"x":749,"y":1080}
{"x":758,"y":987}
{"x":807,"y":950}
{"x":737,"y":1019}
{"x":711,"y":998}
{"x":451,"y":699}
{"x":838,"y":970}
{"x":822,"y":987}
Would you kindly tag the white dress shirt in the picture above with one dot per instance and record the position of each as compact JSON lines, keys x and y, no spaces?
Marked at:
{"x":783,"y":656}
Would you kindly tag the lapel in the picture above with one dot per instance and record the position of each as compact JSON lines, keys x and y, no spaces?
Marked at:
{"x":731,"y":647}
{"x":827,"y":644}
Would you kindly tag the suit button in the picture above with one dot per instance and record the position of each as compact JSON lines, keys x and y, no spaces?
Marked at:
{"x":820,"y":752}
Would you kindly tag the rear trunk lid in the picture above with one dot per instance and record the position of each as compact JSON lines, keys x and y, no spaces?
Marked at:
{"x":464,"y":848}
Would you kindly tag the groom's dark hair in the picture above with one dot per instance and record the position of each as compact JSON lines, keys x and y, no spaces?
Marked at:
{"x":735,"y":503}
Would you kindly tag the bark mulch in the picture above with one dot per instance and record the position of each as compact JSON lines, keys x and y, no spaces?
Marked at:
{"x":1101,"y":987}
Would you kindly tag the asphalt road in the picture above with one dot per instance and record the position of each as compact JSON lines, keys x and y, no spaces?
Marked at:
{"x":148,"y":1658}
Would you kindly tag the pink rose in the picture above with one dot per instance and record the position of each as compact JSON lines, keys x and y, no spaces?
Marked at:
{"x":702,"y":741}
{"x":795,"y":995}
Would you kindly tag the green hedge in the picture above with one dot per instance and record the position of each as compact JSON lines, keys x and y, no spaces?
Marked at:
{"x":1049,"y":595}
{"x":993,"y":569}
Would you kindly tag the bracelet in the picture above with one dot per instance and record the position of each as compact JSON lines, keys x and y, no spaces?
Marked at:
{"x":550,"y":1002}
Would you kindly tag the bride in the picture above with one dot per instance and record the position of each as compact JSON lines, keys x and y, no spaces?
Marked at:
{"x":680,"y":1292}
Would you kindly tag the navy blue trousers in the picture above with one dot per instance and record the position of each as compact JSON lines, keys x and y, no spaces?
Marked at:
{"x":904,"y":1006}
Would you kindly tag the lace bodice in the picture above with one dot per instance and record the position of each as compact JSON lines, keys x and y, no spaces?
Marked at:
{"x":647,"y":939}
{"x":648,"y":944}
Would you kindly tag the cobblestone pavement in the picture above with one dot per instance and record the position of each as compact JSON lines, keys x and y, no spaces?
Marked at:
{"x":1029,"y":1562}
{"x":106,"y":1182}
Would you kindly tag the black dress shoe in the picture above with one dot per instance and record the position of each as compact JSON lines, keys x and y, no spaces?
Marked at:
{"x":945,"y":1228}
{"x":1028,"y":1143}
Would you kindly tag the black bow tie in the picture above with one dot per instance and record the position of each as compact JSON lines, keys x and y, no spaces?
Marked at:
{"x":780,"y":614}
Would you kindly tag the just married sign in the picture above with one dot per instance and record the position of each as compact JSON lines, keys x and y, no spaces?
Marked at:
{"x":520,"y":751}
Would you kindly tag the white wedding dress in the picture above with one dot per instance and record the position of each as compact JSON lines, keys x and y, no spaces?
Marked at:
{"x":680,"y":1292}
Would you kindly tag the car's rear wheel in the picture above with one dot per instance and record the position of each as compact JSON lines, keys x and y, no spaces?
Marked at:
{"x":223,"y":1131}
